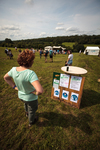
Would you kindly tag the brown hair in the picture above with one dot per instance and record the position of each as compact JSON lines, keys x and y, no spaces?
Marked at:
{"x":26,"y":58}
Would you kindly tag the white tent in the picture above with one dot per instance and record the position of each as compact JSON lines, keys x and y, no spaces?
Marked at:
{"x":48,"y":48}
{"x":92,"y":50}
{"x":58,"y":48}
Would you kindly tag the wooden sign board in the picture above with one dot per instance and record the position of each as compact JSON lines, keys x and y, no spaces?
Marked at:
{"x":67,"y":88}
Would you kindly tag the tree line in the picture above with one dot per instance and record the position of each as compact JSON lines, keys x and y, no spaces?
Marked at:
{"x":79,"y":41}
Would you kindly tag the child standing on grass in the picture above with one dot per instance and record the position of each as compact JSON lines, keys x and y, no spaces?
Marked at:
{"x":27,"y":84}
{"x":70,"y":59}
{"x":10,"y":54}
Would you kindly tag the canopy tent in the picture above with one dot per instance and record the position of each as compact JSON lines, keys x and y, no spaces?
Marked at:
{"x":48,"y":48}
{"x":54,"y":48}
{"x":58,"y":48}
{"x":92,"y":50}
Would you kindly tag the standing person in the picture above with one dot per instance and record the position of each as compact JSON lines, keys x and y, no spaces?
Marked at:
{"x":27,"y":84}
{"x":10,"y":54}
{"x":16,"y":48}
{"x":54,"y":52}
{"x":32,"y":49}
{"x":70,"y":59}
{"x":51,"y":55}
{"x":20,"y":51}
{"x":80,"y":52}
{"x":45,"y":55}
{"x":58,"y":51}
{"x":40,"y":52}
{"x":7,"y":52}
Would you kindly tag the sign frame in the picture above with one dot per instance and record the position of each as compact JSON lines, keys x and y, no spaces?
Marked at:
{"x":79,"y":93}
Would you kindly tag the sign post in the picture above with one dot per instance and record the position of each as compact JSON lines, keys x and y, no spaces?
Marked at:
{"x":67,"y":88}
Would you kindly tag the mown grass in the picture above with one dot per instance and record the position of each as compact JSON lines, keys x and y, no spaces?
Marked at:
{"x":68,"y":44}
{"x":73,"y":43}
{"x":60,"y":126}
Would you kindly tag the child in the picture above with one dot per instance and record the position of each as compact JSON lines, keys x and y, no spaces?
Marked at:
{"x":10,"y":54}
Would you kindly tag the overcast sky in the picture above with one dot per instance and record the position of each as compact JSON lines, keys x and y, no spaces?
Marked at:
{"x":27,"y":19}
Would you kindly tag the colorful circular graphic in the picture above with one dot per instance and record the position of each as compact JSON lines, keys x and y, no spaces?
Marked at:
{"x":65,"y":95}
{"x":56,"y":92}
{"x":74,"y":97}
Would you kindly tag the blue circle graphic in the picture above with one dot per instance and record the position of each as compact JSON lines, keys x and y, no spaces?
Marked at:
{"x":56,"y":92}
{"x":65,"y":95}
{"x":74,"y":97}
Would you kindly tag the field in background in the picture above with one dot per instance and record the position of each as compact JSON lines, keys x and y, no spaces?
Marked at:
{"x":60,"y":126}
{"x":68,"y":44}
{"x":72,"y":43}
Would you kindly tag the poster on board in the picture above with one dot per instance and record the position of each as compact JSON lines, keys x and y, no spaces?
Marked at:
{"x":74,"y":97}
{"x":56,"y":80}
{"x":56,"y":92}
{"x":75,"y":83}
{"x":65,"y":94}
{"x":55,"y":83}
{"x":64,"y":80}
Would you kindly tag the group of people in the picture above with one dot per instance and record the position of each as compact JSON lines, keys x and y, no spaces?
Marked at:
{"x":45,"y":53}
{"x":9,"y":53}
{"x":26,"y":82}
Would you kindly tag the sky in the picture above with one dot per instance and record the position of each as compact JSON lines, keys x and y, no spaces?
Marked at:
{"x":29,"y":19}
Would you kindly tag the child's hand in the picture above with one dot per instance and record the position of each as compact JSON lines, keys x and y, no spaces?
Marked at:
{"x":34,"y":92}
{"x":16,"y":88}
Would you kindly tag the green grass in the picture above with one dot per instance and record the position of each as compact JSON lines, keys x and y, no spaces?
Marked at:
{"x":72,"y":43}
{"x":68,"y":44}
{"x":60,"y":126}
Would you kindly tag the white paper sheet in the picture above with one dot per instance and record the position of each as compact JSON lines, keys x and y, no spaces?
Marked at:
{"x":64,"y":80}
{"x":56,"y":84}
{"x":75,"y":83}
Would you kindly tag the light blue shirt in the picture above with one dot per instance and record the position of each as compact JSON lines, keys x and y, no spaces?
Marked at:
{"x":23,"y":80}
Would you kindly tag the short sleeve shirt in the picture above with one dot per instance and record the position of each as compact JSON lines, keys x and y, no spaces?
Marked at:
{"x":70,"y":56}
{"x":23,"y":80}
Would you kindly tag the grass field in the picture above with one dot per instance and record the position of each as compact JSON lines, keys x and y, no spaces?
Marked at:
{"x":72,"y":43}
{"x":60,"y":126}
{"x":68,"y":44}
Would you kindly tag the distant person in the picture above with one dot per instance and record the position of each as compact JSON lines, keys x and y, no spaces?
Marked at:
{"x":51,"y":55}
{"x":40,"y":51}
{"x":33,"y":50}
{"x":6,"y":51}
{"x":86,"y":52}
{"x":70,"y":59}
{"x":54,"y":52}
{"x":16,"y":48}
{"x":58,"y":51}
{"x":45,"y":55}
{"x":19,"y":50}
{"x":10,"y":54}
{"x":80,"y":52}
{"x":26,"y":82}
